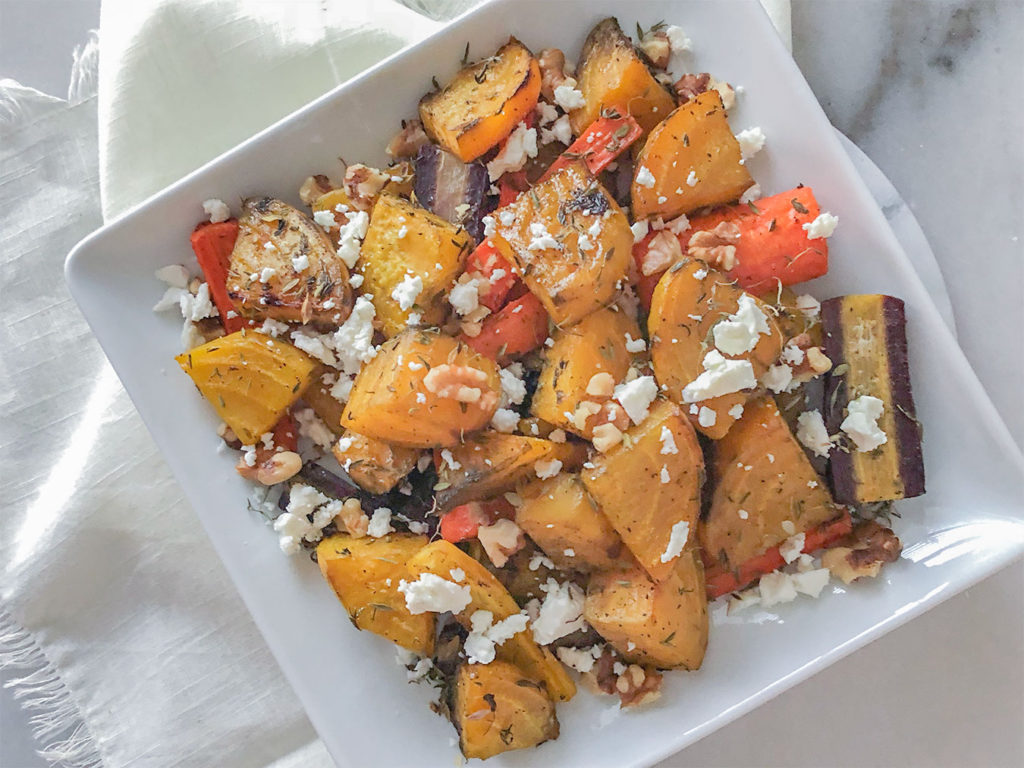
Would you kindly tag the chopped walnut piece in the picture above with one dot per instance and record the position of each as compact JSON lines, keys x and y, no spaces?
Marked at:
{"x":407,"y":142}
{"x":606,"y":437}
{"x":353,"y":518}
{"x":552,"y":71}
{"x":314,"y":187}
{"x":717,"y":247}
{"x":363,"y":184}
{"x":634,"y":685}
{"x":601,"y":384}
{"x":863,"y":553}
{"x":662,"y":252}
{"x":813,"y":363}
{"x":657,"y":48}
{"x":691,"y":86}
{"x":501,"y":540}
{"x":459,"y":382}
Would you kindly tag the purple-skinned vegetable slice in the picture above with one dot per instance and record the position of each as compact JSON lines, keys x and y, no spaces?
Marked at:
{"x":865,"y":337}
{"x":452,"y":189}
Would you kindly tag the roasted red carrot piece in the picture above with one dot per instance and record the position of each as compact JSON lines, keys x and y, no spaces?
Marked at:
{"x":486,"y":260}
{"x":773,"y":246}
{"x":720,"y":582}
{"x":604,"y":140}
{"x":645,"y":284}
{"x":519,"y":327}
{"x":462,"y":523}
{"x":212,"y":245}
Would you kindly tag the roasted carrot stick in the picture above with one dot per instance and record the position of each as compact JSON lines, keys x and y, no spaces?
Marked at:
{"x":604,"y":140}
{"x":519,"y":327}
{"x":721,"y":582}
{"x":487,"y":260}
{"x":212,"y":245}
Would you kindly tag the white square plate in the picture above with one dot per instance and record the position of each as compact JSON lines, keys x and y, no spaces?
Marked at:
{"x":968,"y":525}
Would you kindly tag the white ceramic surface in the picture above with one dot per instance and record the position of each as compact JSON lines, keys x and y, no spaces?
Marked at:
{"x":969,"y":524}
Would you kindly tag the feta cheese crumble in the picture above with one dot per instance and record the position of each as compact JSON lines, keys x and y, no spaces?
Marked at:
{"x":751,"y":141}
{"x":407,"y":291}
{"x":822,"y":227}
{"x":520,"y":146}
{"x":380,"y":523}
{"x":721,"y":376}
{"x":706,"y":417}
{"x":636,"y":397}
{"x":561,"y":612}
{"x":217,"y":210}
{"x":811,"y":432}
{"x":465,"y":296}
{"x":668,"y":442}
{"x":568,"y":97}
{"x":778,"y":378}
{"x":738,"y":333}
{"x":540,"y":238}
{"x":676,"y":541}
{"x":432,"y":593}
{"x":485,"y":635}
{"x":644,"y":177}
{"x":677,"y":39}
{"x":325,"y":219}
{"x":640,"y":230}
{"x":505,"y":420}
{"x":861,"y":423}
{"x":793,"y":547}
{"x":350,"y":238}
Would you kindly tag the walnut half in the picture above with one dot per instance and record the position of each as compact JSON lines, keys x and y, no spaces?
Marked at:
{"x":717,"y":247}
{"x":863,"y":553}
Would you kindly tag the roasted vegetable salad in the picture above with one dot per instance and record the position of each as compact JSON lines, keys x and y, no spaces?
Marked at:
{"x":536,"y":392}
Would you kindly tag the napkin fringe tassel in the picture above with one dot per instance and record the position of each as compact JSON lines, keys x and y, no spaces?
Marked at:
{"x":54,"y":718}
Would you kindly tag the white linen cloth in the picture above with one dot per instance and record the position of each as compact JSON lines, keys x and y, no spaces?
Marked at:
{"x":135,"y":648}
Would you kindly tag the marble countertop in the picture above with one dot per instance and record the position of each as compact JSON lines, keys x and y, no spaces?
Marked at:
{"x":931,"y":91}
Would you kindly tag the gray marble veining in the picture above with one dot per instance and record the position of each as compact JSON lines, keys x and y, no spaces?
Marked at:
{"x":932,"y":92}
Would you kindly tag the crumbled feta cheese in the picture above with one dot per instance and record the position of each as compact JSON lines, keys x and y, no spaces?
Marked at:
{"x":640,"y":230}
{"x":742,"y":600}
{"x":691,"y":179}
{"x":792,"y":547}
{"x":580,"y":659}
{"x":738,"y":333}
{"x":561,"y":612}
{"x":353,"y":341}
{"x":706,"y":417}
{"x":699,"y":274}
{"x":811,"y":432}
{"x":568,"y":97}
{"x":721,"y":376}
{"x":662,"y":199}
{"x":546,"y":113}
{"x":380,"y":523}
{"x":676,"y":542}
{"x":485,"y":635}
{"x":275,"y":328}
{"x":356,"y":280}
{"x":513,"y":388}
{"x":312,"y":426}
{"x":198,"y":307}
{"x":546,"y":468}
{"x":249,"y":455}
{"x":635,"y":345}
{"x":861,"y":423}
{"x":342,"y":388}
{"x":822,"y":227}
{"x":775,"y":588}
{"x":751,"y":141}
{"x":644,"y":177}
{"x":561,"y":132}
{"x":569,"y":552}
{"x":677,"y":39}
{"x":465,"y":296}
{"x":778,"y":378}
{"x":539,"y":560}
{"x":636,"y":397}
{"x":664,"y":476}
{"x":505,"y":420}
{"x":350,"y":238}
{"x":457,"y":575}
{"x":266,"y":273}
{"x":808,"y":305}
{"x":743,"y":514}
{"x":402,"y":232}
{"x":300,"y":263}
{"x":217,"y":210}
{"x":668,"y":442}
{"x":315,"y":345}
{"x":792,"y":354}
{"x":540,"y":238}
{"x":736,"y":411}
{"x":174,"y":275}
{"x":431,"y":593}
{"x":810,"y":583}
{"x":752,"y":193}
{"x":519,"y":147}
{"x":407,"y":291}
{"x":291,"y":530}
{"x":678,"y":225}
{"x":325,"y":219}
{"x":448,"y":458}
